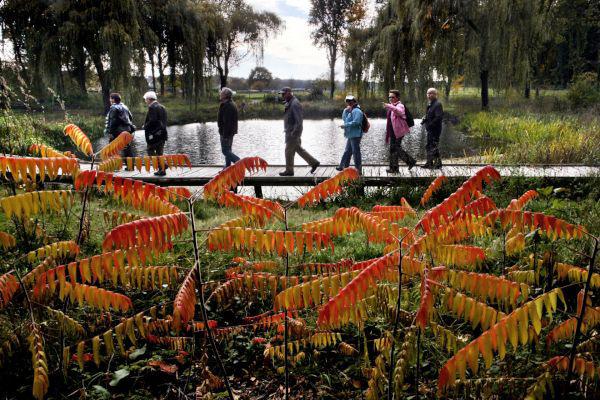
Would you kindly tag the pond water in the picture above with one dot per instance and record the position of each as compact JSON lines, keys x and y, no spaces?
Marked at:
{"x":322,"y":138}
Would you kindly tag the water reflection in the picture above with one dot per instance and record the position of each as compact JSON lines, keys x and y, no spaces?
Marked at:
{"x":322,"y":138}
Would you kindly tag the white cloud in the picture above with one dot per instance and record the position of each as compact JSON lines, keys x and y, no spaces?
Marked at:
{"x":291,"y":53}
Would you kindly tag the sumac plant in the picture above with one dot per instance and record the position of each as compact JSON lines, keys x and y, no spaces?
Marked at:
{"x":465,"y":299}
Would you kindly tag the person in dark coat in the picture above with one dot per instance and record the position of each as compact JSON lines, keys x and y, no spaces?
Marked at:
{"x":293,"y":126}
{"x":155,"y":128}
{"x":433,"y":125}
{"x":227,"y":121}
{"x":119,"y":120}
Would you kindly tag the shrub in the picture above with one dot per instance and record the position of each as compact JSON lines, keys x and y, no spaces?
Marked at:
{"x":584,"y":91}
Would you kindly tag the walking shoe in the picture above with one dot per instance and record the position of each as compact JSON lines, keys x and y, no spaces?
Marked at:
{"x":339,"y":168}
{"x":411,"y":166}
{"x":160,"y":173}
{"x":314,"y":167}
{"x":392,"y":170}
{"x":286,"y":173}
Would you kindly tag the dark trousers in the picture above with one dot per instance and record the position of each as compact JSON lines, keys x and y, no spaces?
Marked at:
{"x":397,"y":152}
{"x":293,"y":145}
{"x":156,"y":149}
{"x":433,"y":148}
{"x":352,"y":150}
{"x":226,"y":145}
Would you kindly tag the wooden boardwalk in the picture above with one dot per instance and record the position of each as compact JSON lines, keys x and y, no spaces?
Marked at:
{"x":373,"y":175}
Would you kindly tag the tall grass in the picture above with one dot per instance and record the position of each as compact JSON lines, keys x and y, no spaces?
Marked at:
{"x":532,"y":139}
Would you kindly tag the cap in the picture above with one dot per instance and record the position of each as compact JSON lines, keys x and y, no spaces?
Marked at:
{"x":150,"y":95}
{"x":285,"y":90}
{"x":350,"y":97}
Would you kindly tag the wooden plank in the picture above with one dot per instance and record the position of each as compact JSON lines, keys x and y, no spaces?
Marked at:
{"x":373,"y":175}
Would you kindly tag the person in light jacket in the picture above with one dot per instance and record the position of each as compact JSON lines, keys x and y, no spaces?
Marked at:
{"x":396,"y":129}
{"x":353,"y":118}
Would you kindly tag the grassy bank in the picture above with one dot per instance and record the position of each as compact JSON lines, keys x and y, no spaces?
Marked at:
{"x":528,"y":138}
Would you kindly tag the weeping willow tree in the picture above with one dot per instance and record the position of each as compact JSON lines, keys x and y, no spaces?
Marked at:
{"x":398,"y":54}
{"x":417,"y":43}
{"x":357,"y":66}
{"x":236,"y":27}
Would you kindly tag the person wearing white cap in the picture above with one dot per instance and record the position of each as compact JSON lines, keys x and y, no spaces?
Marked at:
{"x":155,"y":128}
{"x":353,"y":130}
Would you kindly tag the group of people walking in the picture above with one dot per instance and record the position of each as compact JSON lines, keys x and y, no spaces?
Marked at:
{"x":355,"y":124}
{"x":399,"y":121}
{"x":119,"y":120}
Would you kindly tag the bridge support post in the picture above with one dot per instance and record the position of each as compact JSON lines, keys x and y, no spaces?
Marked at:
{"x":258,"y":191}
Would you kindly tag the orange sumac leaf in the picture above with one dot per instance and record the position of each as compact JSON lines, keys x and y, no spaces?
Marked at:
{"x":39,"y":363}
{"x":328,"y":187}
{"x":426,"y":304}
{"x":470,"y":188}
{"x":433,"y":187}
{"x":185,"y":301}
{"x":518,"y":204}
{"x":24,"y":169}
{"x":266,"y":241}
{"x":44,"y":151}
{"x":551,"y":226}
{"x":119,"y":143}
{"x":79,"y":138}
{"x":581,"y":366}
{"x":233,"y":175}
{"x":8,"y":287}
{"x":7,"y":240}
{"x":111,"y":164}
{"x":154,"y":232}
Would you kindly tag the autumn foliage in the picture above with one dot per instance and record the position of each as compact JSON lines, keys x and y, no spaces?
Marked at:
{"x":457,"y":279}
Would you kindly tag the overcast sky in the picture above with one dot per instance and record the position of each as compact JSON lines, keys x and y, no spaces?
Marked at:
{"x":291,"y":53}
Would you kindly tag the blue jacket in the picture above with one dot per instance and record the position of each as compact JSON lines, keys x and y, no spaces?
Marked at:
{"x":353,"y":123}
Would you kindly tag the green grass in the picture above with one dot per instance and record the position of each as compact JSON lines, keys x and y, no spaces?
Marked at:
{"x":526,"y":138}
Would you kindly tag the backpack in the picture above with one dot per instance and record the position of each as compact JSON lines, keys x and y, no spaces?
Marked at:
{"x":365,"y":125}
{"x":409,"y":118}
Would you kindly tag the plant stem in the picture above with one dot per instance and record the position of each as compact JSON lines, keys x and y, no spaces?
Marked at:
{"x":85,"y":199}
{"x":202,"y":303}
{"x":396,"y":323}
{"x":582,"y":312}
{"x":285,"y":317}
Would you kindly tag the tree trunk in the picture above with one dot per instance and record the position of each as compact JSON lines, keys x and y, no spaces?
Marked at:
{"x":80,"y":71}
{"x":527,"y":93}
{"x":161,"y":72}
{"x":171,"y":58}
{"x":447,"y":89}
{"x":151,"y":57}
{"x":104,"y":81}
{"x":332,"y":60}
{"x":484,"y":90}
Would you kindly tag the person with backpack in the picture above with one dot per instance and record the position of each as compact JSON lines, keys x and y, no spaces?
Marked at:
{"x":399,"y":121}
{"x":155,"y":128}
{"x":353,"y":127}
{"x":118,"y":120}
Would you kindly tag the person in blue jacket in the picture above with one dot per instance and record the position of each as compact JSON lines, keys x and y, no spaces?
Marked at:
{"x":353,"y":119}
